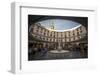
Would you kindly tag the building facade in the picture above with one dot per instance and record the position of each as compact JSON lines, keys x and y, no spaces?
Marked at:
{"x":50,"y":38}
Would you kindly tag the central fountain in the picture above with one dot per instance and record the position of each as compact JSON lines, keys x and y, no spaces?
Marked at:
{"x":59,"y":52}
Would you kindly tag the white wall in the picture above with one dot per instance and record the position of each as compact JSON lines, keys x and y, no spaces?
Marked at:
{"x":5,"y":33}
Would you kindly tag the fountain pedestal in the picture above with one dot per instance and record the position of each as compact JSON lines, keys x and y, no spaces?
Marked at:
{"x":59,"y":47}
{"x":59,"y":53}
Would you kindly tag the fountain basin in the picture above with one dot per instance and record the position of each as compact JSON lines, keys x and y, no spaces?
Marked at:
{"x":58,"y":54}
{"x":56,"y":51}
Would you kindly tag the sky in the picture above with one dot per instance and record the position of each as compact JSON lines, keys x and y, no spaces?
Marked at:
{"x":59,"y":24}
